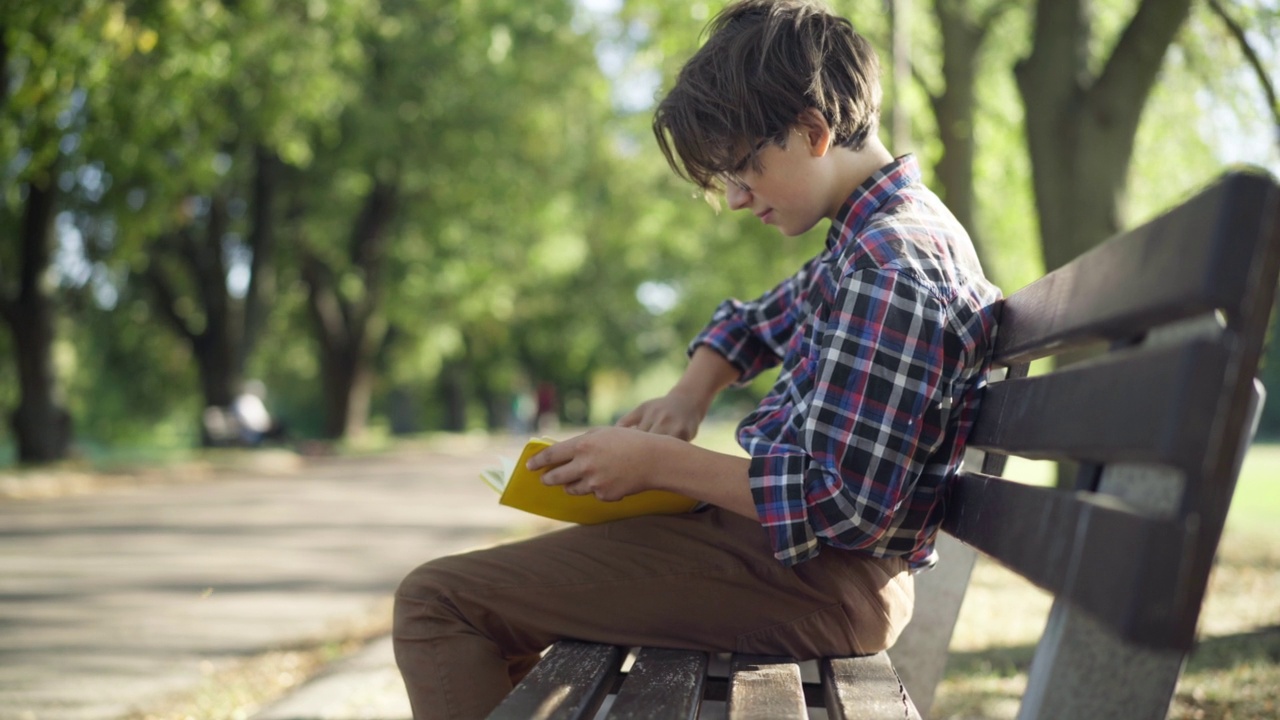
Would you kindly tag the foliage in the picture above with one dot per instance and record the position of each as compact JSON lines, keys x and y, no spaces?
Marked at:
{"x":535,"y":234}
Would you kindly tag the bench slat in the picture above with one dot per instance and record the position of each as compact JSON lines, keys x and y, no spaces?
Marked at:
{"x":568,"y":683}
{"x":763,"y":687}
{"x":663,"y":683}
{"x":1194,"y":259}
{"x":1139,"y":405}
{"x":866,"y":688}
{"x":1120,"y":565}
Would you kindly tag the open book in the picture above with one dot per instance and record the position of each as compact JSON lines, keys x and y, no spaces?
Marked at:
{"x":522,"y":489}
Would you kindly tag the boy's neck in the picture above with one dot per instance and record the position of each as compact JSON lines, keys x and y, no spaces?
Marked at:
{"x":855,"y":166}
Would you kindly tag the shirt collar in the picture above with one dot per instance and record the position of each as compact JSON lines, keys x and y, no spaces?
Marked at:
{"x":869,"y":197}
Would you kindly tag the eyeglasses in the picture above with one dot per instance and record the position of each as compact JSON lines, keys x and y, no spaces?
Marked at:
{"x":743,"y":164}
{"x":746,"y":159}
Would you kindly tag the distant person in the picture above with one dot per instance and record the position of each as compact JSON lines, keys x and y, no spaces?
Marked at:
{"x":547,"y":418}
{"x":252,"y":419}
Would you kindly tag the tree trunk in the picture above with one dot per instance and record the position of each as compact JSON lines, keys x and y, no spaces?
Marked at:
{"x":262,"y":242}
{"x":954,"y":111}
{"x":40,"y":424}
{"x":452,"y":390}
{"x":216,"y":345}
{"x":900,"y":68}
{"x":348,"y":380}
{"x":1081,"y":129}
{"x":350,"y":331}
{"x":963,"y":35}
{"x":222,"y":347}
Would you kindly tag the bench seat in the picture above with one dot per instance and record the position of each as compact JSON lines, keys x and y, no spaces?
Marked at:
{"x":573,"y":679}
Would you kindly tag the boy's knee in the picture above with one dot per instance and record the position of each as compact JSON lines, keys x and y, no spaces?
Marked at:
{"x":423,"y":595}
{"x":423,"y":582}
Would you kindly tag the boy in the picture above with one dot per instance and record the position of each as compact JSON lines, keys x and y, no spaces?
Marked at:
{"x":807,"y":547}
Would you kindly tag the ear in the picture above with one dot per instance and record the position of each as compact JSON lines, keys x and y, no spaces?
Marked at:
{"x":813,"y":127}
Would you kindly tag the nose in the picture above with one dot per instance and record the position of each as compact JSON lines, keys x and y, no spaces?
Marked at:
{"x":736,"y":196}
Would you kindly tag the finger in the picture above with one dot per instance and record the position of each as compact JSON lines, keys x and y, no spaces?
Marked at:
{"x":560,"y":475}
{"x":563,"y":474}
{"x":631,"y":419}
{"x":558,"y":454}
{"x":672,"y":428}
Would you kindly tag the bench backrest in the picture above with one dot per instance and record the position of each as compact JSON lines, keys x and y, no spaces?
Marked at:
{"x":1172,"y":318}
{"x":1184,"y":303}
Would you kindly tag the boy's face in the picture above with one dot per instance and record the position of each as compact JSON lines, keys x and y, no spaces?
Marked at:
{"x":790,"y":191}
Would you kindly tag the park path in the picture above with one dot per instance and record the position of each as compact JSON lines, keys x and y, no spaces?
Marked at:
{"x":113,"y":601}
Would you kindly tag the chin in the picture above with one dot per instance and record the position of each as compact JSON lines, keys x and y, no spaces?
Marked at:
{"x":794,"y":231}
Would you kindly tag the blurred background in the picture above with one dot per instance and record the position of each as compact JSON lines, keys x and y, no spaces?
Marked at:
{"x":385,"y":218}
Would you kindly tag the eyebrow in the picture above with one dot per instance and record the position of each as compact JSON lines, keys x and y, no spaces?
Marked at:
{"x":746,"y":159}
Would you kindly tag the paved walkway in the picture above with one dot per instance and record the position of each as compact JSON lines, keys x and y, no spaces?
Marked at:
{"x":113,"y":601}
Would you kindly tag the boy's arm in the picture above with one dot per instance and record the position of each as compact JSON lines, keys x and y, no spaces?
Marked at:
{"x":753,"y":336}
{"x":612,"y":463}
{"x":742,"y":340}
{"x":683,"y":408}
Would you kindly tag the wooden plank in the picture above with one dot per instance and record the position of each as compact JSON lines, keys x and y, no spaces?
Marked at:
{"x":1067,"y":543}
{"x":763,"y":687}
{"x":866,"y":688}
{"x":662,"y":683}
{"x":1152,"y":405}
{"x":1194,"y":259}
{"x":569,"y":683}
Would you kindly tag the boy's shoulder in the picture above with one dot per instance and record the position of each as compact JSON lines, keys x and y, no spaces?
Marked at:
{"x":913,"y":232}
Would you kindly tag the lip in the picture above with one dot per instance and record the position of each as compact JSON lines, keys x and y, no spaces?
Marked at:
{"x":765,"y":216}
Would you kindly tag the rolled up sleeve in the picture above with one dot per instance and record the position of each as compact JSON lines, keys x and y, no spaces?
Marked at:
{"x":753,"y":335}
{"x":871,"y":422}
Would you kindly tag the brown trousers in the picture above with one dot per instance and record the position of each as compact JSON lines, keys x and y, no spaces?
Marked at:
{"x":468,"y":627}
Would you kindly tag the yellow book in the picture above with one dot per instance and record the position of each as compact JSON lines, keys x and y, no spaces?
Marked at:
{"x":522,"y":489}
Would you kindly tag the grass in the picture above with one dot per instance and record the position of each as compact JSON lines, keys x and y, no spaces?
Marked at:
{"x":1234,"y":673}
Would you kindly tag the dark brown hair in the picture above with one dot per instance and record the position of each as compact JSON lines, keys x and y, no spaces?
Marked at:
{"x":763,"y":64}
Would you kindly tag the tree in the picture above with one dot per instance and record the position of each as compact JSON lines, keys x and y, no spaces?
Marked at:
{"x":964,"y":31}
{"x":1082,"y":119}
{"x":47,"y":68}
{"x":232,"y":95}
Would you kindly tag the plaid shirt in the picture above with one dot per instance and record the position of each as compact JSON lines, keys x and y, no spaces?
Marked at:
{"x":884,"y":340}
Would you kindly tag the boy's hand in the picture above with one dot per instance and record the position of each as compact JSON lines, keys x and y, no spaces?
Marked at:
{"x":610,"y":463}
{"x":674,"y":414}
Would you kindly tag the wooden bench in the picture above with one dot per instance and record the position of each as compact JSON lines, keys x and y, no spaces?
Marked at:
{"x":1157,"y":420}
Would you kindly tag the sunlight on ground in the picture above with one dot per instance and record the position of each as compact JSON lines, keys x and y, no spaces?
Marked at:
{"x":1235,"y":671}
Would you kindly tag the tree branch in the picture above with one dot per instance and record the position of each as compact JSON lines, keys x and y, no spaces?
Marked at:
{"x":262,"y":238}
{"x":1122,"y":88}
{"x":326,"y":306}
{"x":4,"y":65}
{"x":1251,"y":56}
{"x":369,"y":237}
{"x":166,"y":298}
{"x":7,"y":310}
{"x":36,"y":253}
{"x":1058,"y":53}
{"x":994,"y":12}
{"x":372,"y":226}
{"x":923,"y":82}
{"x":211,"y":270}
